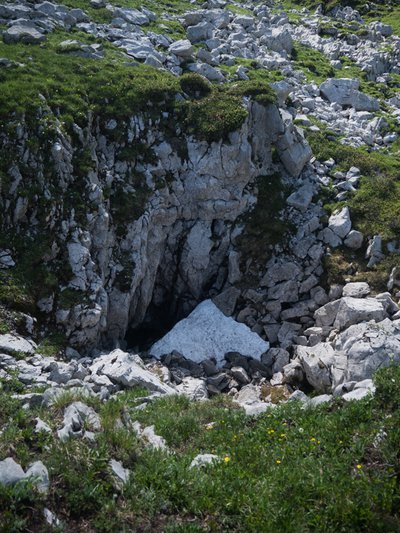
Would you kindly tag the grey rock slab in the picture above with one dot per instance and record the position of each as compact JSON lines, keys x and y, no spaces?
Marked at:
{"x":13,"y":343}
{"x":128,"y":370}
{"x":326,"y":315}
{"x":204,"y":459}
{"x":356,"y":394}
{"x":357,"y":289}
{"x":354,"y":240}
{"x":286,"y":292}
{"x":153,"y":440}
{"x":119,"y":473}
{"x":182,"y":48}
{"x":195,"y":389}
{"x":133,"y":16}
{"x":10,"y":472}
{"x":354,"y":310}
{"x":39,"y":475}
{"x":302,"y":198}
{"x":344,"y":91}
{"x":280,"y":271}
{"x":365,"y":384}
{"x":369,"y":346}
{"x":278,"y":40}
{"x":42,"y":426}
{"x":258,"y":408}
{"x":209,"y":72}
{"x":76,"y":416}
{"x":51,"y":518}
{"x":249,"y":394}
{"x":390,"y":306}
{"x":206,"y":333}
{"x":240,"y":375}
{"x":226,"y":300}
{"x":293,"y":150}
{"x":24,"y":33}
{"x":319,"y":400}
{"x":340,"y":222}
{"x":298,"y":396}
{"x":200,"y":32}
{"x":317,"y":362}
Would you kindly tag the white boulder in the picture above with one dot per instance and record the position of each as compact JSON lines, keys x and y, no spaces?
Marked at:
{"x":206,"y":333}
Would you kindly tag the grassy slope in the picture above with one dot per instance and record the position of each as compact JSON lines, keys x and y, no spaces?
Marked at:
{"x":289,"y":469}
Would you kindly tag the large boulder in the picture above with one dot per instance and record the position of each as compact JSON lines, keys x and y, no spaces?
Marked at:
{"x":340,"y":222}
{"x":293,"y":149}
{"x":129,"y":371}
{"x":12,"y":344}
{"x":316,"y":362}
{"x":23,"y":32}
{"x":369,"y":346}
{"x":133,"y":16}
{"x":354,"y":310}
{"x":200,"y":32}
{"x":182,"y":48}
{"x":10,"y":472}
{"x":278,"y":40}
{"x":344,"y":91}
{"x":206,"y":333}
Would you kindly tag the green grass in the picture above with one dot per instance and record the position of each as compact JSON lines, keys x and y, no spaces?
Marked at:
{"x":173,"y":28}
{"x":213,"y":117}
{"x":160,"y":7}
{"x":52,"y":345}
{"x":238,"y":10}
{"x":382,"y":10}
{"x":290,"y":468}
{"x":375,"y":206}
{"x":314,"y":64}
{"x":74,"y":85}
{"x":339,"y":269}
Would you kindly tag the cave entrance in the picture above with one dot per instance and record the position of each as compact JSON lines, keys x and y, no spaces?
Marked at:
{"x":157,"y":322}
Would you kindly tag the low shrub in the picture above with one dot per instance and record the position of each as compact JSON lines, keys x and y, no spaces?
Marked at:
{"x":194,"y":85}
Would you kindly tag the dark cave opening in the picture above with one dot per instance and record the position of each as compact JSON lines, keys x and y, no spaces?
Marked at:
{"x":158,"y":321}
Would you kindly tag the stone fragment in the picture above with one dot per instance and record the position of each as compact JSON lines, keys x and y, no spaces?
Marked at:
{"x":204,"y":459}
{"x":182,"y":48}
{"x":39,"y":475}
{"x":354,"y":240}
{"x":194,"y":389}
{"x":369,"y":346}
{"x":317,"y":362}
{"x":10,"y":472}
{"x":119,"y":473}
{"x":340,"y":222}
{"x":153,"y":440}
{"x":356,"y":289}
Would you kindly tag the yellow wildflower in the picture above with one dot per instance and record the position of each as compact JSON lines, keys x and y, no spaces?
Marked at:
{"x":278,"y":462}
{"x":227,"y":458}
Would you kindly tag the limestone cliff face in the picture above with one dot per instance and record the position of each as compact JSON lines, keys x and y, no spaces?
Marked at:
{"x":138,"y":214}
